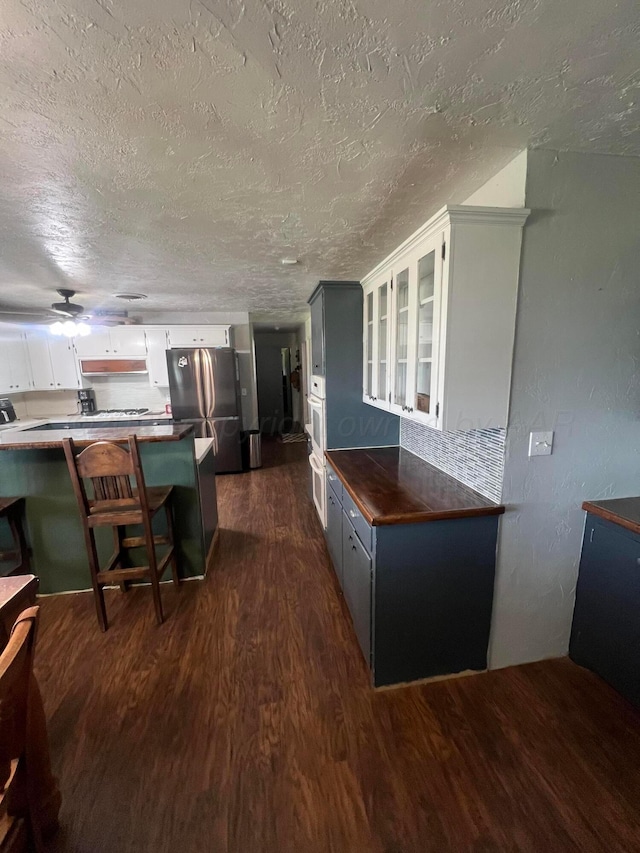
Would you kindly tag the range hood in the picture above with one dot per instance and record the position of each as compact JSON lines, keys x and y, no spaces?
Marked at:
{"x":112,"y":366}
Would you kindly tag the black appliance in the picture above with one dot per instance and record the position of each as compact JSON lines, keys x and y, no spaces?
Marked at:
{"x":7,"y":412}
{"x":205,"y":390}
{"x":87,"y":397}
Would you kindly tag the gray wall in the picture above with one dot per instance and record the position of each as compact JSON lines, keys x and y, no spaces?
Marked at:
{"x":576,"y":371}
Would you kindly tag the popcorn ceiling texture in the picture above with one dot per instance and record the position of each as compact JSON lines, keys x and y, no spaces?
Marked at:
{"x":182,"y":149}
{"x":475,"y":457}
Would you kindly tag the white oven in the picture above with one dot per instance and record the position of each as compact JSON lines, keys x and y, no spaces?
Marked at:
{"x":319,"y":487}
{"x":317,"y":425}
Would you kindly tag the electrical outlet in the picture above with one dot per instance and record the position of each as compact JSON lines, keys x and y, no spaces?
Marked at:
{"x":540,"y":443}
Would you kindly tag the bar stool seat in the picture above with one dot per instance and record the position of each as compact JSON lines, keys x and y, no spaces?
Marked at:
{"x":118,"y":503}
{"x":13,"y":510}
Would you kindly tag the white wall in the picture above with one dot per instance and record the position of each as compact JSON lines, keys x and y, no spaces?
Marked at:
{"x":506,"y":188}
{"x":576,"y":371}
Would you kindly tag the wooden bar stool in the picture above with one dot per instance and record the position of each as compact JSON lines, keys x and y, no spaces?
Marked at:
{"x":13,"y":510}
{"x":117,"y":502}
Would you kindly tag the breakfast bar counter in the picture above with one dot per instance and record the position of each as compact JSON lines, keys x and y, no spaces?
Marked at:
{"x":39,"y":439}
{"x":33,"y":466}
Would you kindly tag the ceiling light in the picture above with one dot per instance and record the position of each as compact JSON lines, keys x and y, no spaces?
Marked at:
{"x":288,"y":262}
{"x":131,"y":297}
{"x":70,"y":329}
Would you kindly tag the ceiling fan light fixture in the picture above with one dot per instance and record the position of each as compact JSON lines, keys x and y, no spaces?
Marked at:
{"x":70,"y":329}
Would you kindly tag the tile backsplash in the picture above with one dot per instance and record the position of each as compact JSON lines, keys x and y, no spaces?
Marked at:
{"x":475,"y":457}
{"x":124,"y":392}
{"x":112,"y":392}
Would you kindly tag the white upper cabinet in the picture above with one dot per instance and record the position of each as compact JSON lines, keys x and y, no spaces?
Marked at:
{"x":117,"y":341}
{"x":53,"y":363}
{"x":439,"y":320}
{"x":15,"y":373}
{"x":198,"y":336}
{"x":157,"y":357}
{"x":64,"y":364}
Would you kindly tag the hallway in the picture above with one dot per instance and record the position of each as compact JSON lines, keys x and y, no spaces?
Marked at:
{"x":245,"y":724}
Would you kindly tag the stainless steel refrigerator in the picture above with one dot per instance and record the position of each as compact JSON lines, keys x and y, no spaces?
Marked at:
{"x":205,"y":391}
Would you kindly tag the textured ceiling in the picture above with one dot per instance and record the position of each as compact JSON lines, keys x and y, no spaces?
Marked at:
{"x":183,"y":148}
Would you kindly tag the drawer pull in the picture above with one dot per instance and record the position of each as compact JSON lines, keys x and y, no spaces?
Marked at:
{"x":353,"y":513}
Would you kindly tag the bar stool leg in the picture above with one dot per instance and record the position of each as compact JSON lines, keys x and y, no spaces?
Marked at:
{"x":174,"y":560}
{"x":94,"y":567}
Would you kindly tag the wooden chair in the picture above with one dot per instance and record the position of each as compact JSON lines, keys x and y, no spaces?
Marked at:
{"x":115,"y":503}
{"x":24,"y":822}
{"x":13,"y":509}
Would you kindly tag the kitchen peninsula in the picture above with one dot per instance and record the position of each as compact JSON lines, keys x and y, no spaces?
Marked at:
{"x":32,"y":465}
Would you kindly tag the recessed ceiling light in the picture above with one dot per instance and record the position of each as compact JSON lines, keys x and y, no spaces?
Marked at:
{"x":131,"y":297}
{"x":287,"y":262}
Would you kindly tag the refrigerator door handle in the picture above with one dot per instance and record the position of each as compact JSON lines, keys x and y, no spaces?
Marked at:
{"x":197,"y":366}
{"x":209,"y":385}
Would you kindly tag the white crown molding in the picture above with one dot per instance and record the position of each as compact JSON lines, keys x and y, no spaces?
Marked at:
{"x":453,"y":214}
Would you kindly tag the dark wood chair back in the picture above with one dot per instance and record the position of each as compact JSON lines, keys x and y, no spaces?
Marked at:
{"x":120,"y":499}
{"x":16,"y":673}
{"x":110,"y":468}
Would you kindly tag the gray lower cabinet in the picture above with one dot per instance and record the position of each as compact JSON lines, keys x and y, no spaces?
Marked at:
{"x":420,"y":595}
{"x":356,"y":585}
{"x":334,"y":531}
{"x":605,"y":636}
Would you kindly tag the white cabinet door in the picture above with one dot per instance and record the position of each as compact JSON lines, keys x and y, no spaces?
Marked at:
{"x":64,"y":364}
{"x":402,"y":341}
{"x":19,"y":366}
{"x":198,"y":336}
{"x":95,"y":345}
{"x":425,"y":293}
{"x":41,"y":369}
{"x":157,"y":357}
{"x":128,"y":341}
{"x":6,"y":343}
{"x":377,"y":336}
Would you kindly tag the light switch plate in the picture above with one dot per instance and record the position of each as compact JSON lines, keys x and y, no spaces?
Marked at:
{"x":244,"y":392}
{"x":540,"y":443}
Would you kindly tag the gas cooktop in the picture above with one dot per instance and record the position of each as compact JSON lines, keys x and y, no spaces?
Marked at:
{"x":117,"y":413}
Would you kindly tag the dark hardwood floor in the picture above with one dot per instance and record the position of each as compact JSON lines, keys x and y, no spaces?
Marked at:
{"x":245,"y":723}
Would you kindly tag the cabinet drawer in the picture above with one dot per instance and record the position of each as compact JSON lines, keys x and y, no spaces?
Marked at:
{"x":362,"y":528}
{"x":334,"y":481}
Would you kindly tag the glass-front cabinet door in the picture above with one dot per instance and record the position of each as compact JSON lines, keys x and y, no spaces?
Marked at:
{"x":369,"y":344}
{"x":382,"y":304}
{"x":400,"y":391}
{"x":426,"y":295}
{"x":377,"y":324}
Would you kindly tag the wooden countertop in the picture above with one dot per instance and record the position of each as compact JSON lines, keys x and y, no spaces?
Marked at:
{"x":390,"y":485}
{"x":622,"y":511}
{"x":51,"y":438}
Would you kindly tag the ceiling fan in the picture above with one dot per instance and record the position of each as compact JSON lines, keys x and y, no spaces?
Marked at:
{"x":65,"y":311}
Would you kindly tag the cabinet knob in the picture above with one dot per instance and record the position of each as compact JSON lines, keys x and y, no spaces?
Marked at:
{"x":353,"y":548}
{"x":353,"y":513}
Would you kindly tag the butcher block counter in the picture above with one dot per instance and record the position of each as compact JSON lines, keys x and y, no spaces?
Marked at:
{"x":33,"y":466}
{"x":414,"y":552}
{"x":390,"y":485}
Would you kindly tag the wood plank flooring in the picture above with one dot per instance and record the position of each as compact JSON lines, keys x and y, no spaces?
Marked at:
{"x":246,"y":723}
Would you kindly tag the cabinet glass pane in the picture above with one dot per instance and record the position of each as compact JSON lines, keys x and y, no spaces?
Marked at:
{"x":426,"y":275}
{"x":369,"y":326}
{"x":402,"y":337}
{"x":382,"y":392}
